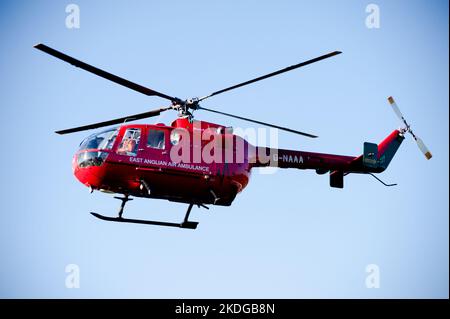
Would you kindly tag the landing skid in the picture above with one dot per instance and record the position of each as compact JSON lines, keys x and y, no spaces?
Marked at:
{"x":189,"y":225}
{"x":185,"y":224}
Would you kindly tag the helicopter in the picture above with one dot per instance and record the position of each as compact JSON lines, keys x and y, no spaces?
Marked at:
{"x":196,"y":162}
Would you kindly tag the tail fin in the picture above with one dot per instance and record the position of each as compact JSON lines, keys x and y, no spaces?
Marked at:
{"x":376,"y":158}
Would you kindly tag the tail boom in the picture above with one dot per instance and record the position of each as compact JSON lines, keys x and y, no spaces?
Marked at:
{"x":375,"y":159}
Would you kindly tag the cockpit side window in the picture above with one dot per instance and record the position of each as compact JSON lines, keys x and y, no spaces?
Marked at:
{"x":130,"y":142}
{"x":109,"y":140}
{"x":156,"y":139}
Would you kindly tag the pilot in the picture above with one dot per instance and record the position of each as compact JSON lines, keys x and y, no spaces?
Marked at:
{"x":131,"y":147}
{"x":124,"y":147}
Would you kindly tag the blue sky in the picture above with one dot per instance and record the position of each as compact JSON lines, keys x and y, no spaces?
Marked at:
{"x":288,"y":235}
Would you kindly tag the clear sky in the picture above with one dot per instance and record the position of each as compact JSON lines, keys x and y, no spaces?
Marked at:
{"x":288,"y":235}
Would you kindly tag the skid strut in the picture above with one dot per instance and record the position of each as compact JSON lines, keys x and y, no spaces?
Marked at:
{"x":124,"y":200}
{"x":185,"y":224}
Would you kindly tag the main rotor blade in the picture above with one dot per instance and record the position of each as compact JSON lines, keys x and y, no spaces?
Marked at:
{"x":101,"y":73}
{"x":121,"y":120}
{"x":292,"y":67}
{"x":258,"y":122}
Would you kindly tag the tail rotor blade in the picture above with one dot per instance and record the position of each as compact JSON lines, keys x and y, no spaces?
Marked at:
{"x":396,"y":109}
{"x":423,"y":148}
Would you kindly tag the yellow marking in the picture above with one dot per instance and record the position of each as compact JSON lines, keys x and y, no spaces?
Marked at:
{"x":391,"y":100}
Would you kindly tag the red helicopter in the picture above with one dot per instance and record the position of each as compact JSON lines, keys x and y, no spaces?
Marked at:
{"x":196,"y":162}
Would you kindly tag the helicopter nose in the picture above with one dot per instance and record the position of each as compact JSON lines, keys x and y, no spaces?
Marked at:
{"x":89,"y":175}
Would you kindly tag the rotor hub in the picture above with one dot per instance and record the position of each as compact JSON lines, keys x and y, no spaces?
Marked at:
{"x":184,"y":107}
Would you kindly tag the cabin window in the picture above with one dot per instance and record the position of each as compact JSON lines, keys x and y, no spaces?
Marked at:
{"x":156,"y":139}
{"x":103,"y":140}
{"x":175,"y":137}
{"x":130,"y":142}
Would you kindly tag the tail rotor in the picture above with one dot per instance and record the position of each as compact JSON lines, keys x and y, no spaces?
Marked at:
{"x":407,"y":128}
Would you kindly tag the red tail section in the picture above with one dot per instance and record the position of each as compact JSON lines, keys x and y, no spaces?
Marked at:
{"x":375,"y":159}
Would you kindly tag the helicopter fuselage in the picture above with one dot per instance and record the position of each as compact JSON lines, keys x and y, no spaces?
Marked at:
{"x":200,"y":162}
{"x":152,"y":166}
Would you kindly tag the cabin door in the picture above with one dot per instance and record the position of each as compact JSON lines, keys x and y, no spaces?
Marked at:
{"x":156,"y":158}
